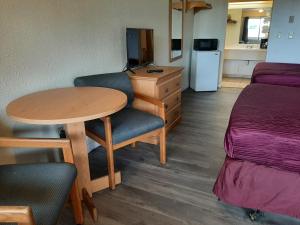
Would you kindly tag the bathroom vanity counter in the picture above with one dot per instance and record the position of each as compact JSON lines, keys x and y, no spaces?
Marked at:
{"x":240,"y":61}
{"x":250,"y":54}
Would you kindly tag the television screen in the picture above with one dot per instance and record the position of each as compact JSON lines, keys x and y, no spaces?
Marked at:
{"x":139,"y":47}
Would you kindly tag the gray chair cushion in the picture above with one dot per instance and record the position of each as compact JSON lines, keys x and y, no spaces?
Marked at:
{"x":127,"y":124}
{"x":44,"y":187}
{"x":119,"y":81}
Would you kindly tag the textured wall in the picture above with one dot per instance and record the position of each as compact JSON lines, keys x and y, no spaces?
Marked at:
{"x":281,"y":48}
{"x":212,"y":24}
{"x":45,"y":44}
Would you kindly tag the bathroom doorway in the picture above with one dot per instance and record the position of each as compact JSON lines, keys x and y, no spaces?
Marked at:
{"x":247,"y":32}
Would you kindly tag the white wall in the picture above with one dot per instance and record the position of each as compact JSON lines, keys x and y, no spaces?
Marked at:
{"x":281,"y":48}
{"x":46,"y":44}
{"x":212,"y":24}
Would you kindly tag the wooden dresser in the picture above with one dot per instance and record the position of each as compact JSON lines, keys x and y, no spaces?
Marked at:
{"x":165,"y":86}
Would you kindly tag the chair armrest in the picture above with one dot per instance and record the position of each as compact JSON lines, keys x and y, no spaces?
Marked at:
{"x":153,"y":101}
{"x":64,"y":144}
{"x":16,"y":214}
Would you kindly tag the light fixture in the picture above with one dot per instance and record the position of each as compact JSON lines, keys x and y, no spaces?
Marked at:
{"x":261,"y":11}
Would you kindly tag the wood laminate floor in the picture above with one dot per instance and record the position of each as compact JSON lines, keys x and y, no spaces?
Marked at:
{"x":180,"y":192}
{"x":230,"y":82}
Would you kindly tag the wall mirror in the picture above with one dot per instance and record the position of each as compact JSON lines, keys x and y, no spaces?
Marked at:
{"x":255,"y":26}
{"x":248,"y":24}
{"x":176,"y":11}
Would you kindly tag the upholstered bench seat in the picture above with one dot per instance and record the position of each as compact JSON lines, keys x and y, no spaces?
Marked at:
{"x":19,"y":187}
{"x":126,"y":124}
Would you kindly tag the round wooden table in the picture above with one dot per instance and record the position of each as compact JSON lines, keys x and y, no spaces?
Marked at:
{"x":66,"y":105}
{"x":71,"y":107}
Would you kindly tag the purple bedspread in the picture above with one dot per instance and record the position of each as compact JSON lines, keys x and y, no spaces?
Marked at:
{"x":248,"y":185}
{"x":277,"y":74}
{"x":264,"y":127}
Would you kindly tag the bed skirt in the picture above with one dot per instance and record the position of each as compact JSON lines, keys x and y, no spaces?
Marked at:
{"x":249,"y":185}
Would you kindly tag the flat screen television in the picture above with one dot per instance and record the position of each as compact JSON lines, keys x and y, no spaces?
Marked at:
{"x":140,"y":50}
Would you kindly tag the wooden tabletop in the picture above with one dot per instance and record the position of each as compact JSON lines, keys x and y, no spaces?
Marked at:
{"x":66,"y":105}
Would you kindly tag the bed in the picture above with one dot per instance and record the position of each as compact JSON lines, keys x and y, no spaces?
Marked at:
{"x":277,"y":74}
{"x":262,"y":143}
{"x":264,"y":127}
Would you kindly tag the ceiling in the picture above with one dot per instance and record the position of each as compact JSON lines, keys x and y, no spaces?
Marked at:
{"x":250,"y":5}
{"x":249,"y":1}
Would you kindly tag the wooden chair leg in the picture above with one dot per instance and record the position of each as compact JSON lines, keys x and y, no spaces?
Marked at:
{"x":133,"y":145}
{"x":76,"y":204}
{"x":109,"y":153}
{"x":162,"y":145}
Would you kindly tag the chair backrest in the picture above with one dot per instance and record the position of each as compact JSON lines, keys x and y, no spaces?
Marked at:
{"x":119,"y":81}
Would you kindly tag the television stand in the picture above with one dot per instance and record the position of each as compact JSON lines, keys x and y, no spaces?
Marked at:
{"x":129,"y":69}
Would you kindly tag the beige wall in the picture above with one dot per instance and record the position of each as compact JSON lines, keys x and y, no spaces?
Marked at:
{"x":47,"y":43}
{"x":233,"y":30}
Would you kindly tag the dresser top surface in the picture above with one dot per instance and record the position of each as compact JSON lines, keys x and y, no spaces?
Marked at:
{"x":167,"y":70}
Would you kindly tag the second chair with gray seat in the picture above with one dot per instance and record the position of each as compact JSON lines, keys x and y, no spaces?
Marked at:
{"x":34,"y":194}
{"x":126,"y":126}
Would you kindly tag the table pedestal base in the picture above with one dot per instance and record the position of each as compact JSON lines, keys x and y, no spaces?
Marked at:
{"x":92,"y":168}
{"x":97,"y":185}
{"x":103,"y":182}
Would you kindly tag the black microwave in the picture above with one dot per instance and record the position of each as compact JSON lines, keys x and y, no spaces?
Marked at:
{"x":206,"y":44}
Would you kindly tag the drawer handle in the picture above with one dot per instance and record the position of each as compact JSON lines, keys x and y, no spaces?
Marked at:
{"x":166,"y":121}
{"x":177,"y":84}
{"x":167,"y":90}
{"x":177,"y":99}
{"x":166,"y":106}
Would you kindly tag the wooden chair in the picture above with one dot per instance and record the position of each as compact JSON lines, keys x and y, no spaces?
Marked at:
{"x":36,"y":193}
{"x":127,"y":126}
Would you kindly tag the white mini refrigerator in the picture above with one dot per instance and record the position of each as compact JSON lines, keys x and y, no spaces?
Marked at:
{"x":205,"y":70}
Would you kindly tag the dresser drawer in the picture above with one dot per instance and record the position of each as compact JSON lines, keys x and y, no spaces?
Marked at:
{"x":173,"y":115}
{"x":169,"y":87}
{"x":172,"y":100}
